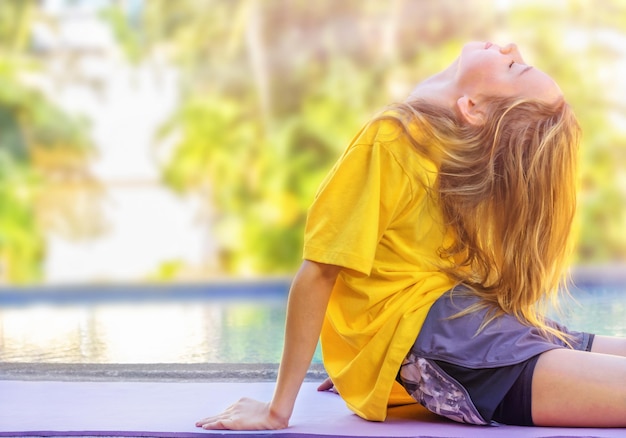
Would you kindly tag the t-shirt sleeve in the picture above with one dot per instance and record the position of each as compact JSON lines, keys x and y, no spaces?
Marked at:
{"x":356,"y":203}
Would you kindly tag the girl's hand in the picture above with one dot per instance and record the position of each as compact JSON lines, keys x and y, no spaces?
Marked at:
{"x":246,"y":414}
{"x":327,"y":385}
{"x":306,"y":306}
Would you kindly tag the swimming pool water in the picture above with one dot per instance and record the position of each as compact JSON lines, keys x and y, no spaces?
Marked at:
{"x":222,"y":331}
{"x":199,"y":329}
{"x":599,"y":310}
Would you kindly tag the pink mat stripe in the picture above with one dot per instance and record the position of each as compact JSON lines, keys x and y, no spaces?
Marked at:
{"x":165,"y":409}
{"x":229,"y":434}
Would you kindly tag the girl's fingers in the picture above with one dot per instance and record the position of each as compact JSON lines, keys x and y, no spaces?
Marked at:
{"x":325,"y":385}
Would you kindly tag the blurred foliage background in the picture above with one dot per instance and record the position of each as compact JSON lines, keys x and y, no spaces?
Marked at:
{"x":43,"y":155}
{"x":270,"y":92}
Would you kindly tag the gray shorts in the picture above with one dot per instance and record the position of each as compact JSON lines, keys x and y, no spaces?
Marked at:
{"x":467,"y":377}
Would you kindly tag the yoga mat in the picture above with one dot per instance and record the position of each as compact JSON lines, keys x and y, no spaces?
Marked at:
{"x":166,"y":409}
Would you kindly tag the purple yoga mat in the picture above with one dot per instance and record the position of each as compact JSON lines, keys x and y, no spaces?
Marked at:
{"x":163,"y":409}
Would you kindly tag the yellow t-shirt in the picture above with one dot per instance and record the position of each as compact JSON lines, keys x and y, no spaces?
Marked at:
{"x":376,"y":216}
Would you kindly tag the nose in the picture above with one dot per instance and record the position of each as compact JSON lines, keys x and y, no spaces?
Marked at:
{"x":511,"y":49}
{"x":508,"y":48}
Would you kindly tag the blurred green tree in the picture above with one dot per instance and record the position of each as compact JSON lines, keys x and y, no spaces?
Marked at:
{"x":273,"y":91}
{"x":40,"y":147}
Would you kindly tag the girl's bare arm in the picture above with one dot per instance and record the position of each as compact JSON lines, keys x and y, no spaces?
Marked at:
{"x":308,"y":299}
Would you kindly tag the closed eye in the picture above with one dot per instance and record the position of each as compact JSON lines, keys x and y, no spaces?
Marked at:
{"x":511,"y":64}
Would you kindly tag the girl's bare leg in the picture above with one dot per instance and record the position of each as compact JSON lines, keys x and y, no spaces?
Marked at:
{"x":609,"y":345}
{"x":581,"y":389}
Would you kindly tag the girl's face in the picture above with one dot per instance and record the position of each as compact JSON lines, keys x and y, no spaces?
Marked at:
{"x":486,"y":69}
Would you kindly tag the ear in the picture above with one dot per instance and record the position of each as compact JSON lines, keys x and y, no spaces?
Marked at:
{"x":471,"y":111}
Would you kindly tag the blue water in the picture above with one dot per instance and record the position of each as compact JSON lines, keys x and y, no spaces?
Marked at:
{"x":599,"y":310}
{"x":223,"y":323}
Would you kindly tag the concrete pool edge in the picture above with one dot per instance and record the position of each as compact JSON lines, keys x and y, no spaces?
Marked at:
{"x":167,"y":372}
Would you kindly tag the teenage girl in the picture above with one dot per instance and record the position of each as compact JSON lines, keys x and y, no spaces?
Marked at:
{"x":429,"y":251}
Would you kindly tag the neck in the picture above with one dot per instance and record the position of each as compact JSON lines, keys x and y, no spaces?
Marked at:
{"x":439,"y":89}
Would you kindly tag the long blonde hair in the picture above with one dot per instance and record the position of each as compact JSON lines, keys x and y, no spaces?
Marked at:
{"x":507,"y":189}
